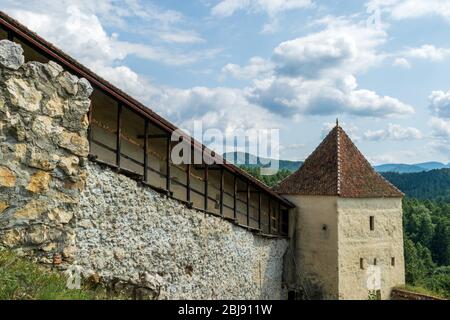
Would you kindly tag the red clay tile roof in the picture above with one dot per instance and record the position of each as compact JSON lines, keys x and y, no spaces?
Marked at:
{"x":337,"y":168}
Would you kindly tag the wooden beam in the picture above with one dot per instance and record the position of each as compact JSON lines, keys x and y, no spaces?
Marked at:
{"x":259,"y":210}
{"x":188,"y":183}
{"x":248,"y":204}
{"x":119,"y":134}
{"x":270,"y":216}
{"x":210,"y":167}
{"x":153,"y":136}
{"x":235,"y":198}
{"x":222,"y":182}
{"x":168,"y":178}
{"x":206,"y":187}
{"x":90,"y":134}
{"x":146,"y":150}
{"x":279,"y":217}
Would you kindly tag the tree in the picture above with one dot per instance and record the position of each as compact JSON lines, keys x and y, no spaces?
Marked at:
{"x":440,"y":244}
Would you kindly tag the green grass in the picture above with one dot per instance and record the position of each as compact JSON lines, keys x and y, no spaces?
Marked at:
{"x":21,"y":279}
{"x":422,"y":290}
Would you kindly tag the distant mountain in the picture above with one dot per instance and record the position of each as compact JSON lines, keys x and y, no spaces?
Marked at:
{"x":411,"y":168}
{"x":252,"y":161}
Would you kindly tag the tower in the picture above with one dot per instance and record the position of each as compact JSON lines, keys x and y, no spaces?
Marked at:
{"x":346,"y":232}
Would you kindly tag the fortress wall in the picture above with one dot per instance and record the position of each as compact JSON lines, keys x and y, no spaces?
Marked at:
{"x":64,"y":211}
{"x":357,"y":241}
{"x":313,"y":232}
{"x":129,"y":232}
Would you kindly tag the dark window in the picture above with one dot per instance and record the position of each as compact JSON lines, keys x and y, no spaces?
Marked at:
{"x":372,"y":223}
{"x":361,"y":263}
{"x":393,"y":261}
{"x":375,"y":261}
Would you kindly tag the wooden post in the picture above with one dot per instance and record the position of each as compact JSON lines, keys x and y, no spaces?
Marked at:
{"x":146,"y":150}
{"x":259,"y":210}
{"x":235,"y":198}
{"x":279,"y":217}
{"x":221,"y":190}
{"x":90,"y":133}
{"x":10,"y":35}
{"x":168,"y":180}
{"x":119,"y":134}
{"x":206,"y":187}
{"x":188,"y":183}
{"x":270,"y":215}
{"x":248,"y":204}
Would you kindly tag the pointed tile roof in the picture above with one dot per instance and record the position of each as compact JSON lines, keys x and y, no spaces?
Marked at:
{"x":337,"y":168}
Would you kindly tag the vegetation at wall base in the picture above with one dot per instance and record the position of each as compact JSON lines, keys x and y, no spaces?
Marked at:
{"x":21,"y":279}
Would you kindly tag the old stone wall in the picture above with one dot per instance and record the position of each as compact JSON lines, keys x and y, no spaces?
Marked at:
{"x":375,"y":247}
{"x":127,"y":232}
{"x":313,"y":232}
{"x":62,"y":210}
{"x":43,"y":148}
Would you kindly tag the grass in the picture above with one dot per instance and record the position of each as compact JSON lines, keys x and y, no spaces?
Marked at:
{"x":424,"y":291}
{"x":21,"y":279}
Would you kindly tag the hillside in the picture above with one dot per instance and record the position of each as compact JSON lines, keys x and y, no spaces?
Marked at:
{"x":251,"y":161}
{"x":432,"y":185}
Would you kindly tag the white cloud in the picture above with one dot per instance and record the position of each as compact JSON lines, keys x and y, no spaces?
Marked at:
{"x":410,"y":9}
{"x":440,"y":103}
{"x":428,"y":52}
{"x":227,"y":8}
{"x":441,"y":131}
{"x":402,"y":62}
{"x":256,"y":68}
{"x":273,"y":8}
{"x":441,"y":128}
{"x":316,"y":74}
{"x":222,"y":108}
{"x":393,"y":132}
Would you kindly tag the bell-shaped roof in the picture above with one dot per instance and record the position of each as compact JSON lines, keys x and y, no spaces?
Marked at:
{"x":337,"y":168}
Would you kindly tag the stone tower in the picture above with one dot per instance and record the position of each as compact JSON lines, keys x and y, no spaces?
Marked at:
{"x":346,"y":231}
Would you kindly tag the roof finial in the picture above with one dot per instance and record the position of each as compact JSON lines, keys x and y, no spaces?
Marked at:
{"x":337,"y":122}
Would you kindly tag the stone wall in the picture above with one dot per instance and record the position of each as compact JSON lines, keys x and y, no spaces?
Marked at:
{"x":62,"y":210}
{"x":127,"y":232}
{"x":43,"y":148}
{"x":376,"y":247}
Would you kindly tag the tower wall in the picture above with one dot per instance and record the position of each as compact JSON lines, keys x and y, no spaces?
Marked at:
{"x":313,"y":232}
{"x":357,"y":241}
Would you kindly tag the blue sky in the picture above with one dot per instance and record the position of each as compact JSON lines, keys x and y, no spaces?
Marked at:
{"x":381,"y":66}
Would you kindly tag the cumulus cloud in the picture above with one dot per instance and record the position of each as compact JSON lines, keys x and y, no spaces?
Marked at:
{"x":410,"y":9}
{"x":393,"y":132}
{"x":428,"y":52}
{"x":222,"y":108}
{"x":402,"y":62}
{"x":227,"y":8}
{"x":273,"y":8}
{"x":256,"y":68}
{"x":440,"y":127}
{"x":440,"y":103}
{"x":315,"y":74}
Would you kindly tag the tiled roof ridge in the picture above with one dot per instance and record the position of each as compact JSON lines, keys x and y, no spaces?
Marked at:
{"x":338,"y":159}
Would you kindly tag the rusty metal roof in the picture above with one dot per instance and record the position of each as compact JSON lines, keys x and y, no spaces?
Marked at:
{"x":337,"y":168}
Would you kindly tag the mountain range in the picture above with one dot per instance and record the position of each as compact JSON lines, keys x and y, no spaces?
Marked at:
{"x":252,"y":161}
